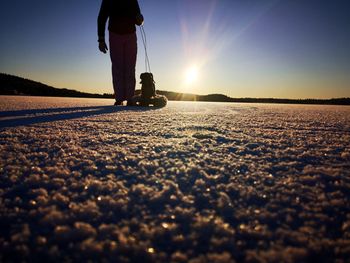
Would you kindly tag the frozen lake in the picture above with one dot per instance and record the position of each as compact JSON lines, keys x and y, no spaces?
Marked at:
{"x":81,"y":179}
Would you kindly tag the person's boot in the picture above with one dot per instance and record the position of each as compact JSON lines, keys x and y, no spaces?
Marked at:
{"x":118,"y":103}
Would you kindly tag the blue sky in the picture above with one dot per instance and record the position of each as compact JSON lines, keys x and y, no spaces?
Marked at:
{"x":256,"y":48}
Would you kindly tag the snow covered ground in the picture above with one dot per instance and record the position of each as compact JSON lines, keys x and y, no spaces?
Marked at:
{"x":192,"y":182}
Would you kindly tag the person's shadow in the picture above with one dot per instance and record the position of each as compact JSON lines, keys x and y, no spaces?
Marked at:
{"x":34,"y":116}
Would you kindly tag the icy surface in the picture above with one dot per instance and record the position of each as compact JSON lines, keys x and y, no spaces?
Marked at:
{"x":192,"y":182}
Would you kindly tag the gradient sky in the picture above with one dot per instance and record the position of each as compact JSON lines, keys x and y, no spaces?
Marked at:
{"x":255,"y":48}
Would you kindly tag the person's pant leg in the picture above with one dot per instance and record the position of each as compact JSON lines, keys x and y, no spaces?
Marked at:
{"x":117,"y":52}
{"x":130,"y":56}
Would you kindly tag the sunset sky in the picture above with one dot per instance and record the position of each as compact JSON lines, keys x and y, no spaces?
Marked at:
{"x":255,"y":48}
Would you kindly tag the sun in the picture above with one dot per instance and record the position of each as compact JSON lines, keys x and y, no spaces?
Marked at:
{"x":191,"y":74}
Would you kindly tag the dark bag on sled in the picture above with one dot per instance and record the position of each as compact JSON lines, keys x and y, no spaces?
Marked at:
{"x":148,"y":89}
{"x":148,"y":93}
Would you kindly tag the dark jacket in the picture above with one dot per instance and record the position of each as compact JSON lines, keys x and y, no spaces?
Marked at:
{"x":122,"y":17}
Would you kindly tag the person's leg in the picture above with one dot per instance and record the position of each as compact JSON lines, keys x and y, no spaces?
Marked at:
{"x":130,"y":56}
{"x":116,"y":46}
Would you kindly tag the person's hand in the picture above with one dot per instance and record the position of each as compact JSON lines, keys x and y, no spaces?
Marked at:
{"x":139,"y":19}
{"x":102,"y":46}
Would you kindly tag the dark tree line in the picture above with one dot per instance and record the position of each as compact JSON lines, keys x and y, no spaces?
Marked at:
{"x":13,"y":85}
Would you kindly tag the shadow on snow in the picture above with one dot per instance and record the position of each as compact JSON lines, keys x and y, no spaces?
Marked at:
{"x":25,"y":117}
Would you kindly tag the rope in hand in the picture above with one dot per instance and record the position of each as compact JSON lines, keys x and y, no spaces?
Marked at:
{"x":144,"y":41}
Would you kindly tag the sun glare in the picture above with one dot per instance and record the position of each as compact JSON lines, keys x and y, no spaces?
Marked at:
{"x":191,"y":75}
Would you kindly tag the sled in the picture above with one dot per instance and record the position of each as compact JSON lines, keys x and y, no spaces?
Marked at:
{"x":158,"y":101}
{"x":149,"y":96}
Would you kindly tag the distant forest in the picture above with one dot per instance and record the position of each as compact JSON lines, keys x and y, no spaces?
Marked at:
{"x":13,"y":85}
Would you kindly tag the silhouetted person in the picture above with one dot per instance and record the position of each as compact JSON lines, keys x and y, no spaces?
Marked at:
{"x":123,"y":15}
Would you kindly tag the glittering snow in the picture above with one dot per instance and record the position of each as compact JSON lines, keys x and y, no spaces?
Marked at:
{"x":193,"y":182}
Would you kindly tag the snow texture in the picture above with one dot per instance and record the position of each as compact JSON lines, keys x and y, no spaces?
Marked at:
{"x":193,"y":182}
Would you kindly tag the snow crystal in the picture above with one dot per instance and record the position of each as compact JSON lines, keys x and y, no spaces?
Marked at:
{"x":192,"y":182}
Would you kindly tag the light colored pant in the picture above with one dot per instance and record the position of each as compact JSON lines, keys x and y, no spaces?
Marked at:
{"x":123,"y":52}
